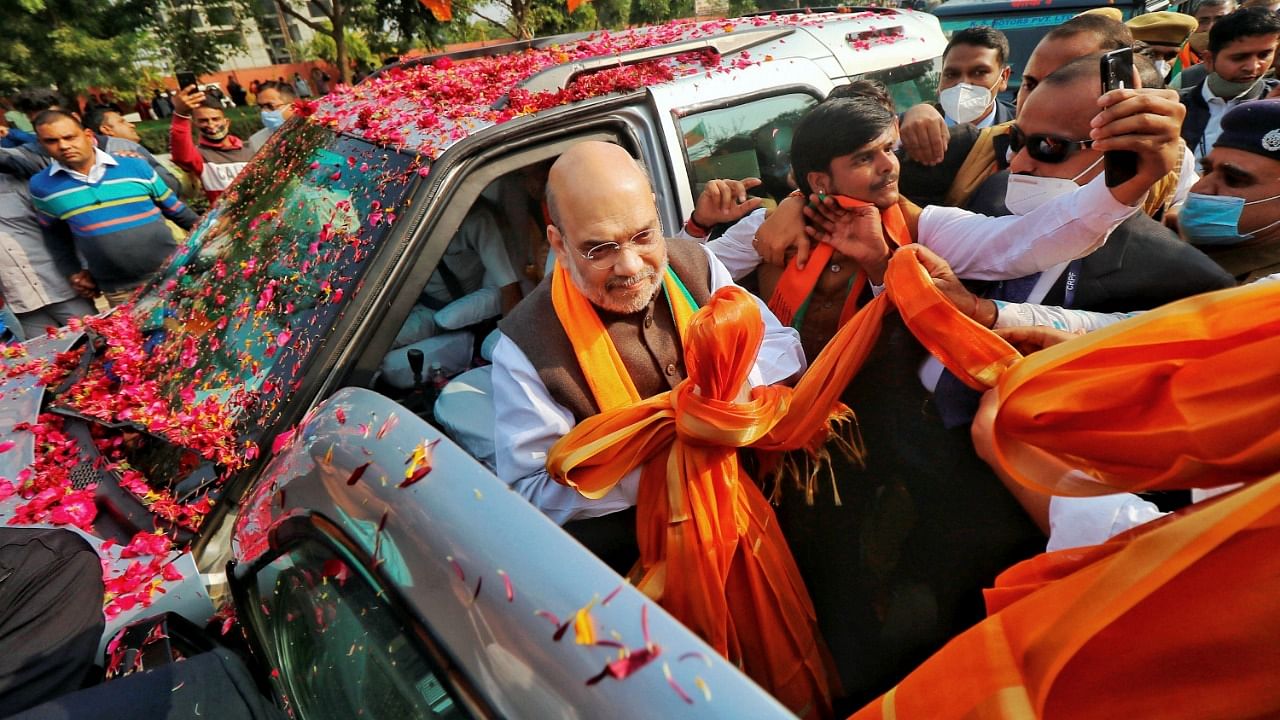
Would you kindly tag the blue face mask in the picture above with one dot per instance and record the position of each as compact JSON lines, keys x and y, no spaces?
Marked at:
{"x":272,"y":119}
{"x":1215,"y":219}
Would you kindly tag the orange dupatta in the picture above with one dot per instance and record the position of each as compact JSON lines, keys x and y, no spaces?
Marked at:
{"x":796,"y":285}
{"x":699,"y":517}
{"x":1184,"y":611}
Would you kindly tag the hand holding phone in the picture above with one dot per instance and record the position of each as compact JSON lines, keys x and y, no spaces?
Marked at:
{"x":186,"y":79}
{"x":1116,"y":68}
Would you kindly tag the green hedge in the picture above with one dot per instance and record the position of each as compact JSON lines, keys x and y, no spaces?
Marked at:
{"x":245,"y":121}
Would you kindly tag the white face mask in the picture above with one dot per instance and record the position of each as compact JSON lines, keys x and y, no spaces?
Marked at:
{"x":1162,"y":67}
{"x":1028,"y":192}
{"x":965,"y":103}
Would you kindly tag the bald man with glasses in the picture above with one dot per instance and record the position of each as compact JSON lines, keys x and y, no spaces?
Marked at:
{"x":610,"y":251}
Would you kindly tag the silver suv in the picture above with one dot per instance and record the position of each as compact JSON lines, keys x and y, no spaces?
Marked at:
{"x":374,"y":562}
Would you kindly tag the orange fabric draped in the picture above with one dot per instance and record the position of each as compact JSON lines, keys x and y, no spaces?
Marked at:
{"x":796,"y":285}
{"x":611,"y":386}
{"x":1182,"y":614}
{"x":701,"y":519}
{"x":1173,"y":398}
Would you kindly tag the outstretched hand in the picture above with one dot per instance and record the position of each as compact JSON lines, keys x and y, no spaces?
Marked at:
{"x":725,"y":201}
{"x":187,"y":99}
{"x":783,"y":233}
{"x":1035,"y":338}
{"x":1144,"y":121}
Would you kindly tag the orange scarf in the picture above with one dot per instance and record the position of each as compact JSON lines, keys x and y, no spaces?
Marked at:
{"x":1185,"y":611}
{"x":608,"y":378}
{"x":796,"y":285}
{"x":700,"y":518}
{"x":1184,"y":395}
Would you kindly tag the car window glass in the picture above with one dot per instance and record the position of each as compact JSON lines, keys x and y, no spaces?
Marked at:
{"x":256,"y":291}
{"x":335,"y":646}
{"x":752,"y":139}
{"x":476,"y":280}
{"x":910,"y":84}
{"x":437,"y":365}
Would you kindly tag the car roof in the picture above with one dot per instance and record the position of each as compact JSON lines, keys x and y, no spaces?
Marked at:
{"x":430,"y":104}
{"x":966,"y":7}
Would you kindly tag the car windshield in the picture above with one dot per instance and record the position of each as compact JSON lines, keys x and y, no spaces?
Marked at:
{"x":260,"y":284}
{"x":1023,"y":29}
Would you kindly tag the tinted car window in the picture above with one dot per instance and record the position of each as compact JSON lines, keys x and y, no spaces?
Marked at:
{"x":338,"y":649}
{"x":264,"y":278}
{"x":911,"y":84}
{"x":752,"y":139}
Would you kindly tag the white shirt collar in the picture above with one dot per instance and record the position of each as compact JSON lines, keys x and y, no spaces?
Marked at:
{"x":101,"y":161}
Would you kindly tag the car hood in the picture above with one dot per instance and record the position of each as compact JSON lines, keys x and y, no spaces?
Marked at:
{"x":21,"y":397}
{"x":21,"y":394}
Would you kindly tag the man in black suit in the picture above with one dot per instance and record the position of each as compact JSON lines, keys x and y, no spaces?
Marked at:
{"x":1241,"y":48}
{"x":974,"y":73}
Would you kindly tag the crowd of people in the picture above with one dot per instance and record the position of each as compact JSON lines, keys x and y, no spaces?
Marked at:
{"x":65,"y":242}
{"x":840,"y":556}
{"x":1008,"y":209}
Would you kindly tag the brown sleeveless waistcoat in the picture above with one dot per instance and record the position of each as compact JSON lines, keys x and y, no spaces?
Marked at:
{"x":647,"y":341}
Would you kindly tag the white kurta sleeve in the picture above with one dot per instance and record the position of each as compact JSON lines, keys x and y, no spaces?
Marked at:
{"x":1082,"y":521}
{"x":527,"y":422}
{"x":1029,"y":314}
{"x":736,"y":248}
{"x":980,"y":247}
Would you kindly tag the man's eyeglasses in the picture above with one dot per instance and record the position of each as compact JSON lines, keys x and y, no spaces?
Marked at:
{"x":605,"y":255}
{"x":1045,"y":148}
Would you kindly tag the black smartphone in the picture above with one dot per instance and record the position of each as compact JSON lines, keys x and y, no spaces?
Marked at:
{"x":186,"y":79}
{"x":1117,"y":72}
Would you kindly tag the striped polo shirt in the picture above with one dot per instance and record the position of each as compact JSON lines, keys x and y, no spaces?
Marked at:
{"x":115,"y":214}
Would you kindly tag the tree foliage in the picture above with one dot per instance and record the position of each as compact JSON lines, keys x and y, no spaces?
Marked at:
{"x":390,"y":26}
{"x":322,"y":47}
{"x":73,"y":44}
{"x":197,"y":35}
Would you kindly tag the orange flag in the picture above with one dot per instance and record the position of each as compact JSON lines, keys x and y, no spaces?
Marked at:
{"x":442,"y":10}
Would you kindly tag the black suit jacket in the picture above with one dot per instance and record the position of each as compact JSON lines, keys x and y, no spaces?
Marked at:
{"x":1004,"y":111}
{"x":1192,"y":75}
{"x":1198,"y":110}
{"x":1142,"y":265}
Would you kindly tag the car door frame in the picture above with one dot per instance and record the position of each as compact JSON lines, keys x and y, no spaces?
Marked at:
{"x":467,"y":170}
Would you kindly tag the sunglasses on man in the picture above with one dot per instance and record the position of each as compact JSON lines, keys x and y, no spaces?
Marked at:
{"x":1045,"y":148}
